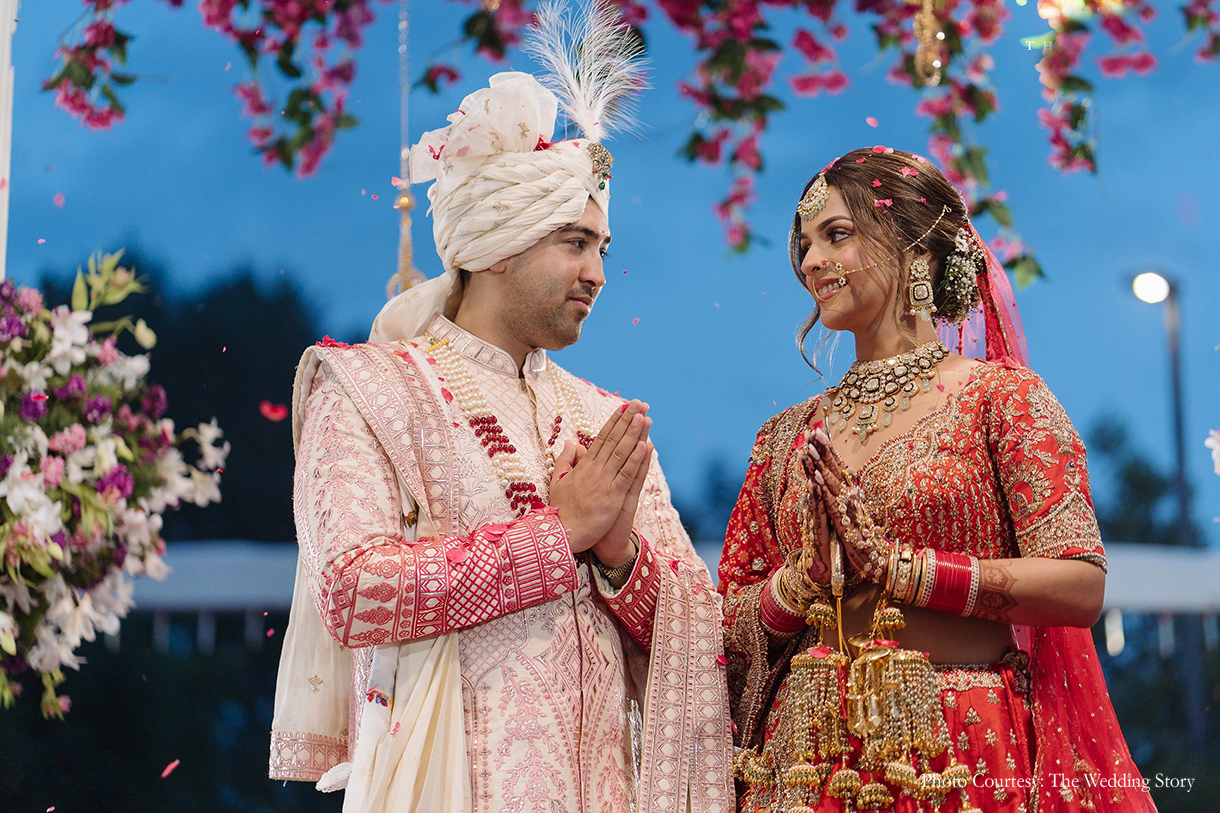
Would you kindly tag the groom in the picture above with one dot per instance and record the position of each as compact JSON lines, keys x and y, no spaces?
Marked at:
{"x":497,"y":607}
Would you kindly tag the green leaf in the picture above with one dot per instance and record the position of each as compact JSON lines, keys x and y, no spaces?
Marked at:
{"x":1074,"y":84}
{"x":1002,"y":214}
{"x":283,"y":152}
{"x":79,"y":74}
{"x":122,"y":78}
{"x":344,"y":121}
{"x":80,"y":293}
{"x":1026,"y":269}
{"x":974,"y":161}
{"x":113,"y":98}
{"x":56,"y":80}
{"x":119,"y":50}
{"x":767,"y":104}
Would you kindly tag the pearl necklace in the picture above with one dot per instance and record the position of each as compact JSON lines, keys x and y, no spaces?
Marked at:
{"x":522,"y":494}
{"x":871,"y":391}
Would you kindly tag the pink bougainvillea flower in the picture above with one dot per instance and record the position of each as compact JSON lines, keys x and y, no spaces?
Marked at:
{"x":273,"y":412}
{"x":876,"y":182}
{"x":884,"y":202}
{"x":908,"y":172}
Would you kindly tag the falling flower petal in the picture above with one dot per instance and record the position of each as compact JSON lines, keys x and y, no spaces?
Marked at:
{"x":394,"y":730}
{"x":375,"y":197}
{"x":58,"y":200}
{"x":399,"y":182}
{"x":169,"y":769}
{"x":270,"y":632}
{"x":635,"y":321}
{"x":41,"y":240}
{"x":273,"y":412}
{"x":872,"y":122}
{"x":447,"y":395}
{"x":721,"y":659}
{"x":457,"y":555}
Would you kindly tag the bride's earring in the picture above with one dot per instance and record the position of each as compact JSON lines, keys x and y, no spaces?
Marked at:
{"x":919,"y":289}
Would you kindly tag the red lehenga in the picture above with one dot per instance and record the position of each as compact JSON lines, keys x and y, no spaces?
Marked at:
{"x":997,"y":471}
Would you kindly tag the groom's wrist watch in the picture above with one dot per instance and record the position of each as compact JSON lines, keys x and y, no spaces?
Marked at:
{"x":616,"y":575}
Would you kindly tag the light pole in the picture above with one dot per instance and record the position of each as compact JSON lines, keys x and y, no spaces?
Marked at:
{"x":1154,"y":287}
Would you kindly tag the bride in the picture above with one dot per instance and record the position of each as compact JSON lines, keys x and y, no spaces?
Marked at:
{"x":913,"y":563}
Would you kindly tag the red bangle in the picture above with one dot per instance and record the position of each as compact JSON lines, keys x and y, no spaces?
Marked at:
{"x":775,"y":619}
{"x":951,"y":583}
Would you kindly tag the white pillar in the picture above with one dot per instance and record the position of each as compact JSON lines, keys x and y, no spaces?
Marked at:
{"x":8,"y":23}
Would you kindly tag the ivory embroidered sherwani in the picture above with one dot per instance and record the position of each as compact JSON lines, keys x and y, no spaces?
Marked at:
{"x":574,"y":696}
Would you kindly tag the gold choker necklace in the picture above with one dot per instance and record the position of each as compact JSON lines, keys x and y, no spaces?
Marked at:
{"x":872,"y":391}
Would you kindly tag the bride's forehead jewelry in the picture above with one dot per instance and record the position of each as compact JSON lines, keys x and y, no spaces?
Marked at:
{"x":814,"y":199}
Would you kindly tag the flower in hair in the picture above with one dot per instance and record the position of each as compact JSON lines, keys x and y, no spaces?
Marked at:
{"x":876,"y":183}
{"x":884,"y":202}
{"x":861,"y":160}
{"x":880,"y":148}
{"x":908,"y":172}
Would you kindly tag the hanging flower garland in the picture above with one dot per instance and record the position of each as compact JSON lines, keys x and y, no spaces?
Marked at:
{"x":732,"y":81}
{"x":312,"y":44}
{"x":88,"y":465}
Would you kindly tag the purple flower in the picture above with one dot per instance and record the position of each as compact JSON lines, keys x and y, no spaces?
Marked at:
{"x":33,"y":406}
{"x":97,"y":408}
{"x":155,"y":403}
{"x":119,"y":479}
{"x":29,"y":300}
{"x":11,"y":327}
{"x":74,"y":387}
{"x":6,"y":463}
{"x":7,"y":290}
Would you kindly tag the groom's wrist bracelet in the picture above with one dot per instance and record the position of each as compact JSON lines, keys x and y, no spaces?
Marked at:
{"x":614,"y":575}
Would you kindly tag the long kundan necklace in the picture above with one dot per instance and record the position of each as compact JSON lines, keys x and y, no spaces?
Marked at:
{"x":871,"y":391}
{"x":522,"y":494}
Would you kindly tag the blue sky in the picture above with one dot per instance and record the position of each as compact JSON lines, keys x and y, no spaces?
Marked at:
{"x":713,"y":349}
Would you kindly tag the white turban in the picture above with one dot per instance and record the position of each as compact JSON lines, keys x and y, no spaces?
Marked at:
{"x":500,"y":187}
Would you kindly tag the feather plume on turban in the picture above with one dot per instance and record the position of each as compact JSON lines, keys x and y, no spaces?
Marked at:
{"x":499,"y":184}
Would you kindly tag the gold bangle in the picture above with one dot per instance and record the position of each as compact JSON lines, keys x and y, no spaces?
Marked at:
{"x":780,"y":592}
{"x":927,"y":577}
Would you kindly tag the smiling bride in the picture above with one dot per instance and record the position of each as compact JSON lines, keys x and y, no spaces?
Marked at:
{"x":914,"y":563}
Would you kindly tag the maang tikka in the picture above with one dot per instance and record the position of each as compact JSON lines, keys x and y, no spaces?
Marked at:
{"x":814,"y":199}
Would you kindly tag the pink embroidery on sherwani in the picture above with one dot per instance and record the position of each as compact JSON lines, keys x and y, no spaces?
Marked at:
{"x":636,"y":603}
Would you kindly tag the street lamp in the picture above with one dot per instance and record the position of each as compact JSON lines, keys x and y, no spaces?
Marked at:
{"x":1151,"y":287}
{"x":1154,"y":287}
